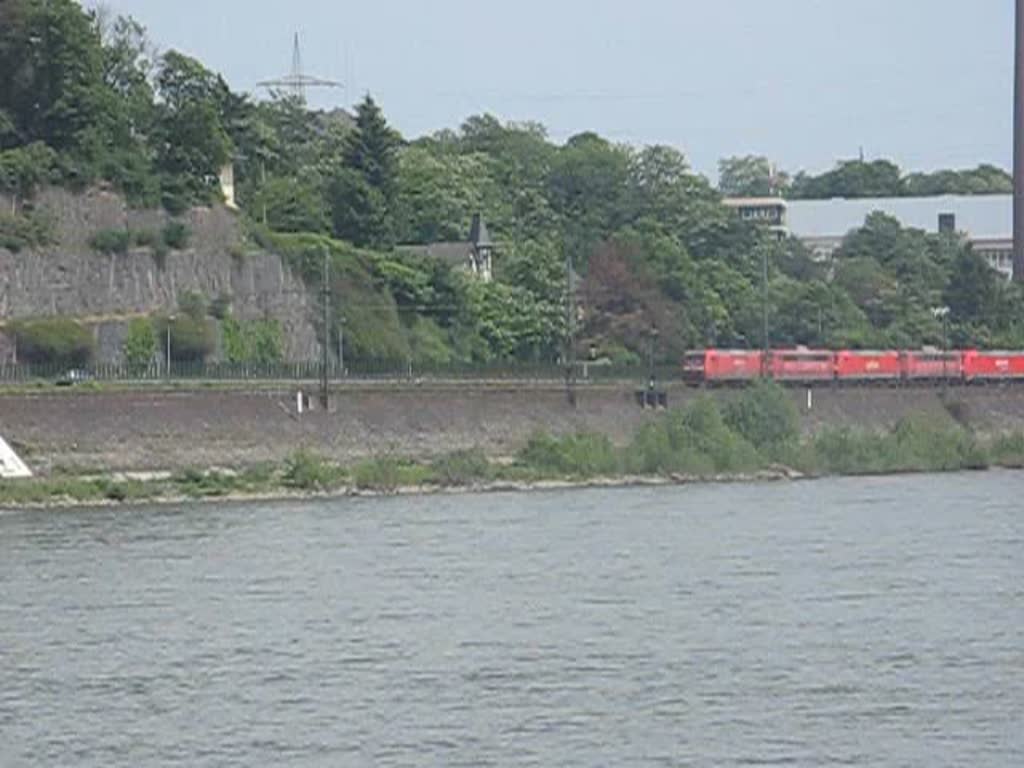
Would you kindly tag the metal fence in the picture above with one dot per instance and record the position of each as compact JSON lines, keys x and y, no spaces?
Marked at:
{"x":369,"y":370}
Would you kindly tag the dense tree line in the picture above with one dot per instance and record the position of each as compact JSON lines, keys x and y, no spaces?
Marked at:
{"x":653,"y":249}
{"x":756,"y":176}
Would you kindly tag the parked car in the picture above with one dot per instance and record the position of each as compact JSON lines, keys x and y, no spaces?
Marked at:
{"x":73,"y":376}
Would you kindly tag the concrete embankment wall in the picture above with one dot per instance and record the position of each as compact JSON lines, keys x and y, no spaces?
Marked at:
{"x":169,"y":430}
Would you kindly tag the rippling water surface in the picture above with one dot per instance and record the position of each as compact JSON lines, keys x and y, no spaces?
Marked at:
{"x":854,"y":622}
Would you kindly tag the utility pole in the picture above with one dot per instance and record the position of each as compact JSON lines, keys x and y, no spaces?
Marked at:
{"x":1018,"y":148}
{"x":341,"y":347}
{"x":766,"y":342}
{"x":570,"y":329}
{"x":171,"y":319}
{"x":325,"y":346}
{"x":651,"y":371}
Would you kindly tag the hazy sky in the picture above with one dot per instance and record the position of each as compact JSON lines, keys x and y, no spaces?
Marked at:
{"x":926,"y":82}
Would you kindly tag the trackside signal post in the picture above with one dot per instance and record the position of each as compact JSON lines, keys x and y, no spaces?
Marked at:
{"x":765,"y":337}
{"x":570,"y":329}
{"x":325,"y":346}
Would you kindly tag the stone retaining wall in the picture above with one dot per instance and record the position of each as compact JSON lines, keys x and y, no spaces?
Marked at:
{"x":168,"y":430}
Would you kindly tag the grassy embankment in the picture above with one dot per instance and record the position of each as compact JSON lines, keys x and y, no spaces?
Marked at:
{"x":757,"y":433}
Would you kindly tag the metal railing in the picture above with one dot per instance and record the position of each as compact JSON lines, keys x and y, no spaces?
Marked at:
{"x":355,"y":371}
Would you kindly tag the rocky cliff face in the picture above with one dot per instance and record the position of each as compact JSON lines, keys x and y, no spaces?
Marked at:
{"x":69,"y":278}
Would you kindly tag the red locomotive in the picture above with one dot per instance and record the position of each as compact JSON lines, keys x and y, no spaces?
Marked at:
{"x":722,"y":366}
{"x":993,"y":366}
{"x":868,"y":366}
{"x":801,"y":365}
{"x":808,"y":366}
{"x":928,"y":365}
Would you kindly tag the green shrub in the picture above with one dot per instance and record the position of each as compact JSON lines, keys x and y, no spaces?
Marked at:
{"x":765,"y":415}
{"x":927,"y":444}
{"x":174,"y":195}
{"x":109,"y":241}
{"x":658,"y":450}
{"x":205,"y":485}
{"x":176,"y":235}
{"x":160,"y":251}
{"x":145,"y":238}
{"x":260,"y":341}
{"x":461,"y":468}
{"x":388,"y":473}
{"x":373,"y":329}
{"x":192,"y":340}
{"x":140,"y":345}
{"x":919,"y":443}
{"x":54,"y":341}
{"x":20,"y":231}
{"x":582,"y":455}
{"x":192,"y":304}
{"x":428,"y":343}
{"x":695,"y":440}
{"x":24,"y":169}
{"x":307,"y":471}
{"x":220,"y":307}
{"x":844,"y":451}
{"x":1008,"y":450}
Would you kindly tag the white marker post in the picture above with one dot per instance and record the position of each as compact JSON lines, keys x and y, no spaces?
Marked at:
{"x":11,"y":465}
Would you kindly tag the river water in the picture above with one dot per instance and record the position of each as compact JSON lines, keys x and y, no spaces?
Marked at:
{"x":854,"y":622}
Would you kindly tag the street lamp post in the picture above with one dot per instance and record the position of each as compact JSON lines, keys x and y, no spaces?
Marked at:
{"x":170,"y":321}
{"x":766,"y":342}
{"x":341,"y":347}
{"x":942,"y":313}
{"x":651,"y":374}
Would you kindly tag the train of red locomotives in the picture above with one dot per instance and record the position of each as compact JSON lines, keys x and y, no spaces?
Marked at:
{"x":808,"y":366}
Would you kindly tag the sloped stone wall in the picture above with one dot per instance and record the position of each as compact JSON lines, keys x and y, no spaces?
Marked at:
{"x":69,"y":278}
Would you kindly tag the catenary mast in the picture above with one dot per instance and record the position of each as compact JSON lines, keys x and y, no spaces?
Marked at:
{"x":1018,"y":148}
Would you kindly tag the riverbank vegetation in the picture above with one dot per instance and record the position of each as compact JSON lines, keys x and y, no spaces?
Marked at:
{"x":754,"y":437}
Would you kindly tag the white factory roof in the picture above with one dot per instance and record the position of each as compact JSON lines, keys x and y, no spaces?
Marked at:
{"x":980,"y":216}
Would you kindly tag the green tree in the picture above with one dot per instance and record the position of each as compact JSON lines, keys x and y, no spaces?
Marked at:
{"x":851,"y":179}
{"x":359,"y":211}
{"x":973,"y":291}
{"x":438,"y":192}
{"x":291,"y":204}
{"x":52,"y":62}
{"x":750,"y":176}
{"x":259,"y":342}
{"x":54,"y":341}
{"x":372,"y":148}
{"x":140,"y":345}
{"x":519,"y":160}
{"x":983,"y":180}
{"x":193,"y":143}
{"x":362,"y":192}
{"x":589,"y":191}
{"x":24,"y":169}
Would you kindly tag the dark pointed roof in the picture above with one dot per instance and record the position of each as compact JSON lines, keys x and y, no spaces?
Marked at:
{"x":478,"y":234}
